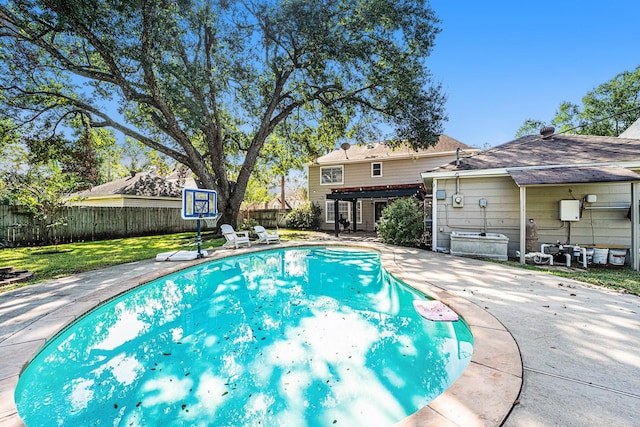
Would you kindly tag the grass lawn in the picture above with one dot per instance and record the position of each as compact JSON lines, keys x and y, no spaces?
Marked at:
{"x":50,"y":262}
{"x":620,"y":278}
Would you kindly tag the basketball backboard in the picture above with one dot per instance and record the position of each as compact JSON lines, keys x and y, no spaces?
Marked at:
{"x":199,"y":203}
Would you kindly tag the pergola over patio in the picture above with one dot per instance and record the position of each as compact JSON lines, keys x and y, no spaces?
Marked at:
{"x":352,"y":194}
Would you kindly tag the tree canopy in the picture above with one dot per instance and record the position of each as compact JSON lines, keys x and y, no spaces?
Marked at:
{"x":208,"y":82}
{"x":608,"y":110}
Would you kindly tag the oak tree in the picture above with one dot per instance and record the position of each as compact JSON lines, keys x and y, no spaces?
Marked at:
{"x":208,"y":82}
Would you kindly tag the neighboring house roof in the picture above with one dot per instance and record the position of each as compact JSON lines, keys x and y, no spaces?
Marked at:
{"x":534,"y":150}
{"x":140,"y":184}
{"x":381,"y":151}
{"x":632,"y":131}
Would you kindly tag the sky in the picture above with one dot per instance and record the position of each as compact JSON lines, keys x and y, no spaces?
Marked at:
{"x":502,"y":62}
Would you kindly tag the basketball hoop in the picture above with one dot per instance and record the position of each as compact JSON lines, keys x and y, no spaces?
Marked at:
{"x":200,"y":204}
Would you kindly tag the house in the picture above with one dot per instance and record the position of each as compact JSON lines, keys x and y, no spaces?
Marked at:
{"x":362,"y":179}
{"x":578,"y":189}
{"x":143,"y":189}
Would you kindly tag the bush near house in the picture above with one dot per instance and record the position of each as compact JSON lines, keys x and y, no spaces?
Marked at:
{"x":402,"y":223}
{"x":305,"y":218}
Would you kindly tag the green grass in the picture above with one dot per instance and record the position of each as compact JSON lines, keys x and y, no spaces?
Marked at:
{"x":50,"y":262}
{"x":620,"y":278}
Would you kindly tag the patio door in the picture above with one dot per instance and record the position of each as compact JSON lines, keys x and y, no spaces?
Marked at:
{"x":378,"y":207}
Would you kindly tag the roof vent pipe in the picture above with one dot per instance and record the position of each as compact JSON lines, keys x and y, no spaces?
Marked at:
{"x":458,"y":156}
{"x":547,"y":132}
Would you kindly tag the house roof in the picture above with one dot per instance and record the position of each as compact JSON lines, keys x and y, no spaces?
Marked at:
{"x":377,"y":191}
{"x":380,"y":150}
{"x":536,"y":151}
{"x":632,"y":131}
{"x":141,"y":184}
{"x":572,"y":175}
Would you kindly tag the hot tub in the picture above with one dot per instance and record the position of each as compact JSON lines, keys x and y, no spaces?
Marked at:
{"x":480,"y":245}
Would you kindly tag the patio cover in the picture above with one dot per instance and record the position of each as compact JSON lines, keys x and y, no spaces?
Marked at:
{"x":375,"y":192}
{"x":559,"y":175}
{"x":572,"y":175}
{"x":352,"y":194}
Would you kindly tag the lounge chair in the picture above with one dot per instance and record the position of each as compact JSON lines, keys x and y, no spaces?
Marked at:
{"x":234,"y":238}
{"x":264,"y":236}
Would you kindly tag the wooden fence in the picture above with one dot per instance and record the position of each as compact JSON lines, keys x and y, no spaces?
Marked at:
{"x":81,"y":223}
{"x":269,"y":218}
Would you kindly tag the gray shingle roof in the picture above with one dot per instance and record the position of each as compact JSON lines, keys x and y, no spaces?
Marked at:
{"x":379,"y":150}
{"x":142,"y":184}
{"x":533,"y":150}
{"x":572,"y":175}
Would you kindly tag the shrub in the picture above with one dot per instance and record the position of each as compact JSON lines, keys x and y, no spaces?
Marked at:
{"x":305,"y":218}
{"x":248,"y":224}
{"x":402,"y":223}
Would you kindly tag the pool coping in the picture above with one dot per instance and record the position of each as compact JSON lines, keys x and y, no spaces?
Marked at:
{"x":483,"y":395}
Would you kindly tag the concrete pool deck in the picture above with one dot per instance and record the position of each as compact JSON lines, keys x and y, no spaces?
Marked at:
{"x":576,"y":360}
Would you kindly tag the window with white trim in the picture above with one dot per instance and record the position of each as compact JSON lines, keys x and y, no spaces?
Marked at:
{"x":331,"y":175}
{"x":344,"y":209}
{"x":376,"y":169}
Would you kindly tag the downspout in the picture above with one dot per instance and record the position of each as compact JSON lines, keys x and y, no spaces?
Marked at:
{"x":635,"y":228}
{"x":434,"y":216}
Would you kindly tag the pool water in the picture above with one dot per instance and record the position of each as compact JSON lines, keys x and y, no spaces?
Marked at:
{"x":291,"y":337}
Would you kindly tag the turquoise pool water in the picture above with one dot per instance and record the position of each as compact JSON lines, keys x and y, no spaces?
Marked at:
{"x":291,"y":337}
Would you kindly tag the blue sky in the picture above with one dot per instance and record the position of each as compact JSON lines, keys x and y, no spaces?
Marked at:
{"x":502,"y":62}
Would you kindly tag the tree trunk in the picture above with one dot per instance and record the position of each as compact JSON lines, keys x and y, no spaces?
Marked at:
{"x":229,"y":213}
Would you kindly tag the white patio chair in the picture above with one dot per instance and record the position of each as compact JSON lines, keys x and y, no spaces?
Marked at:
{"x":234,"y":238}
{"x":264,"y":236}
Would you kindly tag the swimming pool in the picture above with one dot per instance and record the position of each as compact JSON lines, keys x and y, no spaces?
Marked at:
{"x":311,"y":336}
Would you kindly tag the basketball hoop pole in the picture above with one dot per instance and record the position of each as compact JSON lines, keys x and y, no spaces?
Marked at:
{"x":199,"y":240}
{"x":199,"y":204}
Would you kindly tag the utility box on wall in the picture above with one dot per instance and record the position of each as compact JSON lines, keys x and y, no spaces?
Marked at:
{"x":569,"y":210}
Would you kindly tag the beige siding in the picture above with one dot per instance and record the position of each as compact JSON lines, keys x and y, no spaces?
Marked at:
{"x":153,"y":203}
{"x":398,"y":171}
{"x":502,"y":214}
{"x":603,"y":223}
{"x":117,"y":201}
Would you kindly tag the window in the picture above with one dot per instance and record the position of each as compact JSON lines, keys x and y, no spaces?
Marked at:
{"x":344,"y":209}
{"x":331,"y":175}
{"x":376,"y":170}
